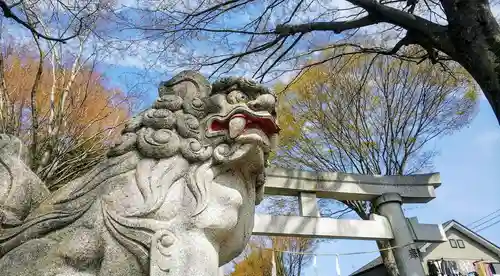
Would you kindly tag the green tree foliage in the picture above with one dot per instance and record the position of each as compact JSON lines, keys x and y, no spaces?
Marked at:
{"x":374,"y":115}
{"x":371,"y":114}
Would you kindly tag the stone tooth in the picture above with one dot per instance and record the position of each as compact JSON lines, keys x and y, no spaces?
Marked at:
{"x":236,"y":126}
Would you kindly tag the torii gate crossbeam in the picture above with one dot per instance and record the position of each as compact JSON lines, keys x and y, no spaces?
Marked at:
{"x":386,"y":192}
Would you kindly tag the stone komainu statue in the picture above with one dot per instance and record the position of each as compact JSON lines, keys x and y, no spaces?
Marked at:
{"x":176,"y":196}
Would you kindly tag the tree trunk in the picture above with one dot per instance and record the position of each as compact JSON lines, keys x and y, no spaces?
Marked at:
{"x":475,"y":37}
{"x":34,"y":114}
{"x":388,"y":258}
{"x":4,"y":100}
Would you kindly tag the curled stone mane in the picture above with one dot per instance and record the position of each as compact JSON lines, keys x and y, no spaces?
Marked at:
{"x":171,"y":127}
{"x":166,"y":130}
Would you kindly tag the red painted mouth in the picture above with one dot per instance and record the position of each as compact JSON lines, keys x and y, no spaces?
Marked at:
{"x":267,"y":125}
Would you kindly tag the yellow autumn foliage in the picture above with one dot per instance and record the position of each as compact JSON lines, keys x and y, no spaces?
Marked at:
{"x":74,"y":129}
{"x":257,"y":263}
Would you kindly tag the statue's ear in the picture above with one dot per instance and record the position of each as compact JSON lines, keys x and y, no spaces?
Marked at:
{"x":187,"y":85}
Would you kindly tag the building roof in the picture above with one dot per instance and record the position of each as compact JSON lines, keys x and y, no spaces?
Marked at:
{"x":470,"y":234}
{"x":446,"y":226}
{"x":374,"y":263}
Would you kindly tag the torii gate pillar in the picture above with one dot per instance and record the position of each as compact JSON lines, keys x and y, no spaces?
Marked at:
{"x":406,"y":251}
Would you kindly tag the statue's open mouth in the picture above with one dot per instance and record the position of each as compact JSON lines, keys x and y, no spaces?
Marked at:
{"x":247,"y":127}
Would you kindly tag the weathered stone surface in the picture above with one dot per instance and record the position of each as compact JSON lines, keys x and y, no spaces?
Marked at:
{"x":175,"y":197}
{"x":20,"y":188}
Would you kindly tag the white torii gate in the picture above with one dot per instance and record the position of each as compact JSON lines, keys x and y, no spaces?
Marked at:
{"x":387,"y":193}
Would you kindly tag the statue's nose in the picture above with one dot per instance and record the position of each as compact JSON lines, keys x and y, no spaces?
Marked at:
{"x":266,"y":102}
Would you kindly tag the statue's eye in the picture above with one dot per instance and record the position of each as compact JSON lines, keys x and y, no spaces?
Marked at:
{"x":237,"y":96}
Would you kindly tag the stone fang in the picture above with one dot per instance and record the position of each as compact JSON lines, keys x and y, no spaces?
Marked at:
{"x":236,"y":126}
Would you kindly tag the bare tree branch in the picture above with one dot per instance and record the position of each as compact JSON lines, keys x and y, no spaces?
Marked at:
{"x":8,"y":13}
{"x":336,"y":27}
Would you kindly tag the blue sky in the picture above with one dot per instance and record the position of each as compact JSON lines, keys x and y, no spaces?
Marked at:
{"x":468,"y":163}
